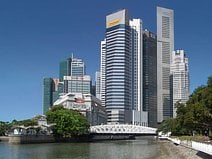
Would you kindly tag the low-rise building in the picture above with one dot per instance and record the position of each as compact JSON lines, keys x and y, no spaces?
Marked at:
{"x":87,"y":104}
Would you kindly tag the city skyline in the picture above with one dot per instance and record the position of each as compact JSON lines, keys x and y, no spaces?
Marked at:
{"x":32,"y":46}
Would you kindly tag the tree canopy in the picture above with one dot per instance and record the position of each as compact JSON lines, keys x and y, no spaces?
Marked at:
{"x":4,"y":127}
{"x":67,"y":122}
{"x":194,"y":116}
{"x":26,"y":122}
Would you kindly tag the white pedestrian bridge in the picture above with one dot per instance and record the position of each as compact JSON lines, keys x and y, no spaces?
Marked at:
{"x":122,"y":129}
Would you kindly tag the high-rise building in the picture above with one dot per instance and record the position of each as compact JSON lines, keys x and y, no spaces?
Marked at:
{"x":150,"y":76}
{"x":77,"y":84}
{"x":122,"y":69}
{"x":50,"y":93}
{"x":117,"y":70}
{"x":136,"y":62}
{"x":102,"y":72}
{"x":165,"y":46}
{"x":71,"y":67}
{"x":139,"y":116}
{"x":77,"y":67}
{"x":180,"y":78}
{"x":65,"y":68}
{"x":97,"y":85}
{"x":93,"y":90}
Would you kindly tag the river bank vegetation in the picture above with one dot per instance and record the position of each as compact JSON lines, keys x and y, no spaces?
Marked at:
{"x":5,"y":127}
{"x":194,"y":117}
{"x":66,"y":122}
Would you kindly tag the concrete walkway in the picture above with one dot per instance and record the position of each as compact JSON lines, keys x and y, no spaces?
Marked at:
{"x":169,"y":150}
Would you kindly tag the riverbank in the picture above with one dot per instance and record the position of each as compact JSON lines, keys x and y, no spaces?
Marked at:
{"x":4,"y":139}
{"x":169,"y":150}
{"x":30,"y":139}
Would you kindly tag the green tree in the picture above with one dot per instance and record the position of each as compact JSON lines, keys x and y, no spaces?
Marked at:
{"x":195,"y":115}
{"x":67,"y":122}
{"x":209,"y":81}
{"x":27,"y":122}
{"x":4,"y":127}
{"x":199,"y":108}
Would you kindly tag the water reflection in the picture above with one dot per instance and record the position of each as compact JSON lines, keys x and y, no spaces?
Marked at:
{"x":143,"y":148}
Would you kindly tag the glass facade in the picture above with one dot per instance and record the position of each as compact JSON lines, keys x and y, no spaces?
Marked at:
{"x":102,"y":72}
{"x":118,"y":72}
{"x":65,"y":68}
{"x":98,"y":84}
{"x":77,"y":67}
{"x":76,"y":84}
{"x":71,"y":67}
{"x":150,"y":76}
{"x":50,"y":93}
{"x":47,"y":97}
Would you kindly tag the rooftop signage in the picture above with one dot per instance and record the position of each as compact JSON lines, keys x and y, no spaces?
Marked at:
{"x":113,"y":22}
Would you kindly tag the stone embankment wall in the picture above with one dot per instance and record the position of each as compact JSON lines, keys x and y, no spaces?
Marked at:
{"x":26,"y":139}
{"x":4,"y":138}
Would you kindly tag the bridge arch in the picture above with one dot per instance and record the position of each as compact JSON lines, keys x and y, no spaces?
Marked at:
{"x":122,"y":129}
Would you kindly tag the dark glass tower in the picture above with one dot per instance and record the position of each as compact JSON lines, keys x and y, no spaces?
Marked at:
{"x":65,"y":68}
{"x":150,"y":76}
{"x":48,"y":94}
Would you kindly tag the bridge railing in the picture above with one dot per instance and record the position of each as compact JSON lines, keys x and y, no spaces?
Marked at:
{"x":122,"y":129}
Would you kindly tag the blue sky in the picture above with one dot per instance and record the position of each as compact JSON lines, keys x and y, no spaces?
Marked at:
{"x":35,"y":35}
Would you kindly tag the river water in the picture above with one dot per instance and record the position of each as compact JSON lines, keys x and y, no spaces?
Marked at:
{"x":142,"y":148}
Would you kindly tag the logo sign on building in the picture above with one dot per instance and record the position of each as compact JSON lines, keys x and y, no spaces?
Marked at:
{"x":113,"y":23}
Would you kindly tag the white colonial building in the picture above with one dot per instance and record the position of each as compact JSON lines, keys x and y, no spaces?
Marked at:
{"x":87,"y":104}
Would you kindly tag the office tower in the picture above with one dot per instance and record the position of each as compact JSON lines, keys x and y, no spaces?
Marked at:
{"x":118,"y":70}
{"x":76,"y":81}
{"x":93,"y":90}
{"x":50,"y":93}
{"x":150,"y":76}
{"x":77,"y":84}
{"x":136,"y":62}
{"x":97,"y":85}
{"x":77,"y":67}
{"x":102,"y":72}
{"x":139,"y":117}
{"x":165,"y":46}
{"x":71,"y":67}
{"x":56,"y":91}
{"x":65,"y":68}
{"x":180,"y":78}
